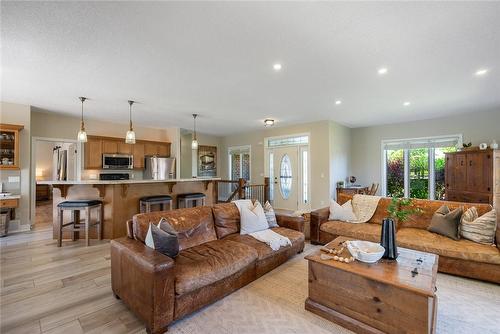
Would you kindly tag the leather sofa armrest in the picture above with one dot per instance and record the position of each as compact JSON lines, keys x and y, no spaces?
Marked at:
{"x":318,"y":217}
{"x":296,"y":223}
{"x":130,"y":228}
{"x":144,"y":279}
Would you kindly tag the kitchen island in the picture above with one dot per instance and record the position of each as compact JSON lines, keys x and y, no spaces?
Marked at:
{"x":121,"y":198}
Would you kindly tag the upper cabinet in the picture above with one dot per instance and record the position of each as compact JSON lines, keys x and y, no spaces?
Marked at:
{"x":9,"y":146}
{"x":97,"y":146}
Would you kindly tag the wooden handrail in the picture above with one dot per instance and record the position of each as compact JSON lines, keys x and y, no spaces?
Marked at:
{"x":244,"y":190}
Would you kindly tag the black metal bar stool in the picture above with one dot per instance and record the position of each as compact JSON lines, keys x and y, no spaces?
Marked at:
{"x":76,"y":226}
{"x":183,"y":200}
{"x":163,"y":200}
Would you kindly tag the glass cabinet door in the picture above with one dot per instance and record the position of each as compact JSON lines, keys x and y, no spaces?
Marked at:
{"x":9,"y":146}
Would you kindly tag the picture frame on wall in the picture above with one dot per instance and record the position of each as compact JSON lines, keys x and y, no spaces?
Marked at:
{"x":207,"y":161}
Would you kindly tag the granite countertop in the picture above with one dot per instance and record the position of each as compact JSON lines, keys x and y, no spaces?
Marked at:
{"x":12,"y":196}
{"x":91,"y":182}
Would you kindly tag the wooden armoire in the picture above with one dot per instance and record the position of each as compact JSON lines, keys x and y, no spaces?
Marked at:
{"x":473,"y":176}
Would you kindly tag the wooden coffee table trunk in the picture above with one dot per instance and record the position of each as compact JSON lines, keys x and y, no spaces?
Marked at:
{"x":384,"y":297}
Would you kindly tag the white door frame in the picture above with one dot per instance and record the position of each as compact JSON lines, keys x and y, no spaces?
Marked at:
{"x":78,"y":174}
{"x":306,"y":207}
{"x":240,"y":147}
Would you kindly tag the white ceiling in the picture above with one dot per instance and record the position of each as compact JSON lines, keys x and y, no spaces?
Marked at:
{"x":216,"y":59}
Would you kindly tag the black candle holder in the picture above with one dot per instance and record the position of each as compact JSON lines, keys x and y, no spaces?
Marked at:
{"x":388,"y":239}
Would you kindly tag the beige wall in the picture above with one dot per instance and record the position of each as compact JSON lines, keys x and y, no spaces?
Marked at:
{"x":340,"y":155}
{"x":327,"y":139}
{"x":53,"y":125}
{"x":189,"y":158}
{"x":476,"y":127}
{"x":44,"y":159}
{"x":18,"y":114}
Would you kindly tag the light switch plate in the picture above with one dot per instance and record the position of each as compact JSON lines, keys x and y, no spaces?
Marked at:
{"x":14,"y":179}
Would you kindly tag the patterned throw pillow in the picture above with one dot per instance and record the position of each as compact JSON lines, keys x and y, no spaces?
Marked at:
{"x":163,"y":238}
{"x":446,"y":222}
{"x":479,"y":229}
{"x":270,"y":215}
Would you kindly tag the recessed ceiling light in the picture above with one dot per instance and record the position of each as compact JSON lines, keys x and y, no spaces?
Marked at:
{"x":338,"y":102}
{"x":268,"y":122}
{"x":481,"y":72}
{"x":277,"y":67}
{"x":382,"y":70}
{"x":406,"y":104}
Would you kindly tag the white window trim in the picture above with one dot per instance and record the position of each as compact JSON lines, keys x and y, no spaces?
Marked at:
{"x":407,"y":161}
{"x":240,"y":148}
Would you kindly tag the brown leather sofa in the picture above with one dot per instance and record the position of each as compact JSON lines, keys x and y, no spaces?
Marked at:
{"x":462,"y":257}
{"x":214,"y":260}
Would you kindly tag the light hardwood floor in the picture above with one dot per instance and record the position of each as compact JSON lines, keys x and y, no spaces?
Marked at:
{"x":47,"y":289}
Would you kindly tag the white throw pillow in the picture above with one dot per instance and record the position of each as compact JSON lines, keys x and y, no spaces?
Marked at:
{"x":343,"y":213}
{"x":252,"y":218}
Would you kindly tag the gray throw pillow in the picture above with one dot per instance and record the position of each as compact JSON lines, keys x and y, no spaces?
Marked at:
{"x":163,"y":238}
{"x":446,"y":222}
{"x":270,"y":215}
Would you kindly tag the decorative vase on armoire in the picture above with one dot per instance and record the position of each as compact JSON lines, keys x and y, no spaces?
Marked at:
{"x":388,"y":239}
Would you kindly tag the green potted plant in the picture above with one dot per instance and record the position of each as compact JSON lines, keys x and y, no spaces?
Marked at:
{"x":399,"y":210}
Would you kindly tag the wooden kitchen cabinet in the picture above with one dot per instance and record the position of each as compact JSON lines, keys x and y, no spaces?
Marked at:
{"x":138,"y":152}
{"x":161,"y":149}
{"x":97,"y":145}
{"x":472,"y":176}
{"x":93,"y":153}
{"x":109,"y":146}
{"x":124,"y":148}
{"x":9,"y":146}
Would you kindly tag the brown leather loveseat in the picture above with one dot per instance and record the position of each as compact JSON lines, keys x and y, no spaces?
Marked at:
{"x":214,"y":260}
{"x":462,"y":257}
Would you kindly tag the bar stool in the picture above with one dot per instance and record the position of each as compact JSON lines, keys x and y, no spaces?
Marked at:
{"x":75,"y":207}
{"x":183,"y":200}
{"x":163,"y":200}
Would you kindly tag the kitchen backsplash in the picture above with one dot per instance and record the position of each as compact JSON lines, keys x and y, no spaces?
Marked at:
{"x":11,"y":181}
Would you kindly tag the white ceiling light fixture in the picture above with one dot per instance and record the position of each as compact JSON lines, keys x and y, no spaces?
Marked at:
{"x":481,"y":72}
{"x":338,"y":102}
{"x":277,"y":67}
{"x":194,"y":142}
{"x":130,"y":136}
{"x":382,"y":70}
{"x":407,"y":103}
{"x":82,"y":134}
{"x":268,"y":122}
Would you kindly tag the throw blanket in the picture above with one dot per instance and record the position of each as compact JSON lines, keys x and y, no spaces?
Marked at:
{"x":273,"y":239}
{"x":267,"y":236}
{"x":364,"y":207}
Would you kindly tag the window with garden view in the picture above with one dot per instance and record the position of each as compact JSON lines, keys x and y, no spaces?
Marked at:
{"x":415,"y":167}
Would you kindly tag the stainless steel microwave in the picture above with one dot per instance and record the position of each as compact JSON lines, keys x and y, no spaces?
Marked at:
{"x":117,"y":161}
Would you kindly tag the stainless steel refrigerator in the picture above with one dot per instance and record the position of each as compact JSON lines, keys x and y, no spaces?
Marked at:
{"x":159,"y":168}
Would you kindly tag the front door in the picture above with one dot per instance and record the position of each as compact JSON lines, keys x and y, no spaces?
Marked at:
{"x":285,"y":177}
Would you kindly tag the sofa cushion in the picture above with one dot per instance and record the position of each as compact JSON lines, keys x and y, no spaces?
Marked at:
{"x":204,"y":264}
{"x":362,"y":231}
{"x":226,"y":218}
{"x":263,"y":250}
{"x":426,"y":241}
{"x":194,"y":226}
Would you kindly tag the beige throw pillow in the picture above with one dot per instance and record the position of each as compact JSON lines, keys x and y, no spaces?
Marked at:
{"x":343,"y":213}
{"x":479,"y":229}
{"x":446,"y":222}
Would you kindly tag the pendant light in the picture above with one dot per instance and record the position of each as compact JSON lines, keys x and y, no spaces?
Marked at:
{"x":130,"y":136}
{"x":194,"y":143}
{"x":82,"y":135}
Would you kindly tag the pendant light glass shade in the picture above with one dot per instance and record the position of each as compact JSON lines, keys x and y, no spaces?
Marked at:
{"x":82,"y":135}
{"x":130,"y":136}
{"x":194,"y":142}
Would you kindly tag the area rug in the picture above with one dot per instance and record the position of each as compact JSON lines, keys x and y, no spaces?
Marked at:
{"x":275,"y":304}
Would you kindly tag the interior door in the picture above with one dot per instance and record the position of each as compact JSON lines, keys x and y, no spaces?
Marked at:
{"x":285,"y":174}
